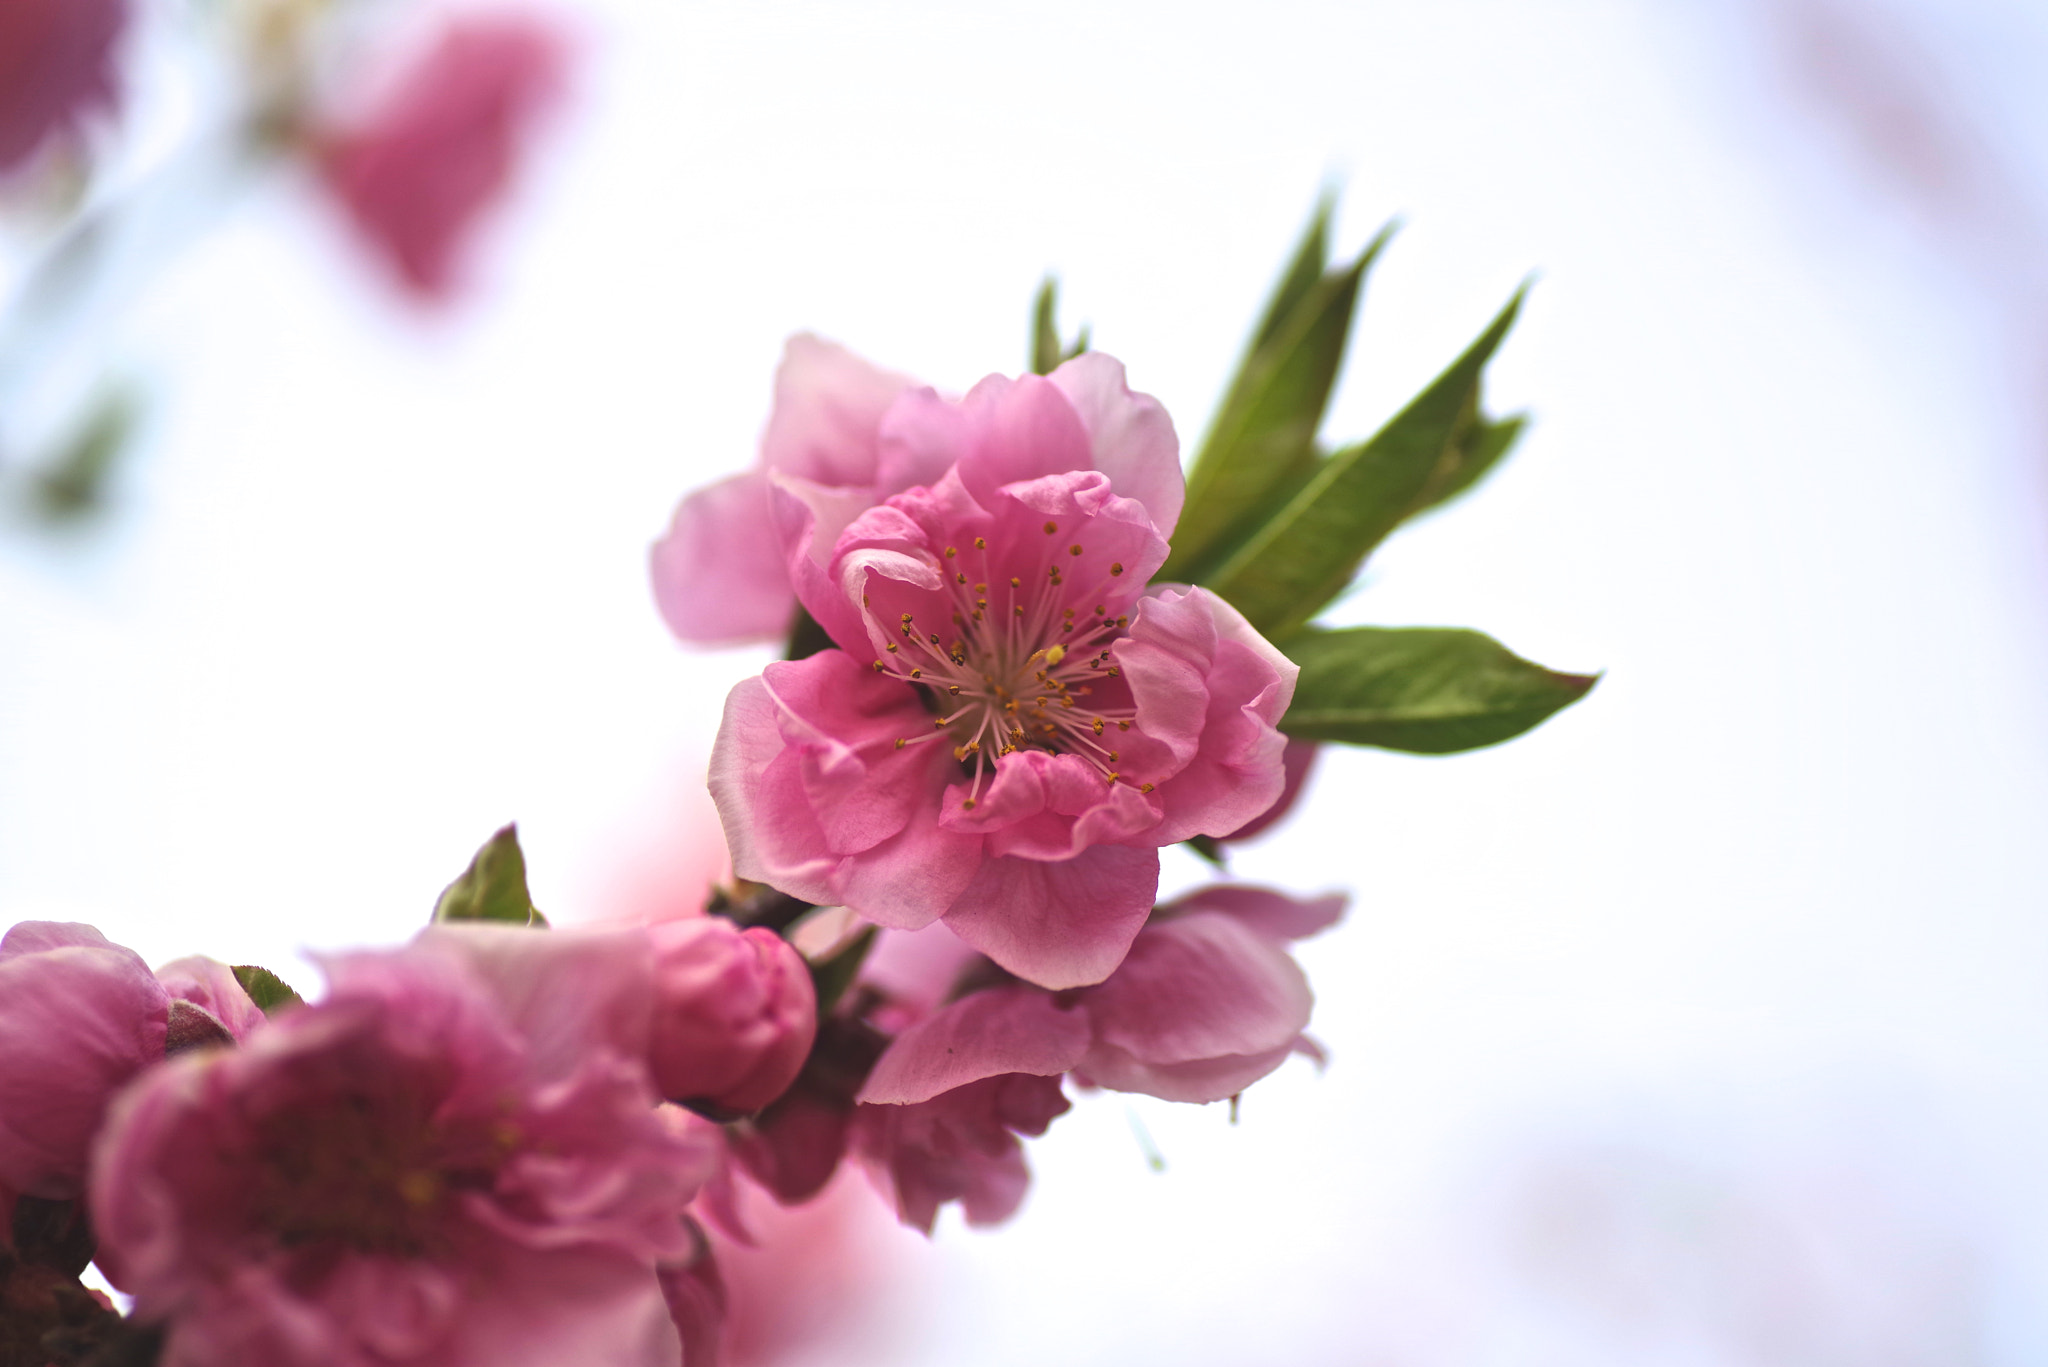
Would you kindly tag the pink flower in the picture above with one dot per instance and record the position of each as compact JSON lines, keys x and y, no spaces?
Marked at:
{"x":959,"y":1146}
{"x":79,"y":1017}
{"x":735,"y":1013}
{"x":719,"y":574}
{"x":56,"y":64}
{"x":1208,"y":1002}
{"x":1297,"y":759}
{"x":453,"y":1159}
{"x":418,"y":172}
{"x":1013,"y":723}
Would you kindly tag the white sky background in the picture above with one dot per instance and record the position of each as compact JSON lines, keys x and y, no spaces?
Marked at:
{"x":1767,"y":907}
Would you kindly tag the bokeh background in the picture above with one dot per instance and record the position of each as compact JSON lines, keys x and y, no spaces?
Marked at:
{"x":1706,"y":1025}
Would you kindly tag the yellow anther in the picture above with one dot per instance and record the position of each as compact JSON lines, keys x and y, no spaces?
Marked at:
{"x":891,"y":647}
{"x":1123,"y":726}
{"x":1144,"y":787}
{"x":1073,"y":550}
{"x":1051,"y":527}
{"x":951,"y":551}
{"x":901,"y":742}
{"x":1098,"y":726}
{"x":1110,"y":777}
{"x":878,"y":666}
{"x":1116,"y":567}
{"x":906,"y":619}
{"x":968,"y":804}
{"x":917,"y":673}
{"x":981,"y":543}
{"x":1055,"y":653}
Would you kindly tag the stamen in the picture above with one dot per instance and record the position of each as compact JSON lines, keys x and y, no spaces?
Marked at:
{"x":981,"y":543}
{"x":1073,"y":550}
{"x":1051,"y":527}
{"x":1116,"y":567}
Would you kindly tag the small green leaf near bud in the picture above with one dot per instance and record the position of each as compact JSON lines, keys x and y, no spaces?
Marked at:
{"x":493,"y":887}
{"x":271,"y":993}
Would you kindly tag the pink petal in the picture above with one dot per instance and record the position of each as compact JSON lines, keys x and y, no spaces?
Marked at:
{"x":1273,"y":915}
{"x":1296,"y":760}
{"x":1002,"y":1030}
{"x":719,"y":574}
{"x":56,"y":65}
{"x":1060,"y":924}
{"x":1131,"y":436}
{"x":1196,"y":1082}
{"x":829,"y":405}
{"x":808,"y":521}
{"x":1019,"y":430}
{"x":212,"y":986}
{"x":79,"y":1017}
{"x":1199,"y":986}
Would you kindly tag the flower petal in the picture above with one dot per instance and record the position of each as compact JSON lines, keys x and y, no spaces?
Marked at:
{"x":719,"y":574}
{"x":1130,"y":434}
{"x":1002,"y":1030}
{"x":827,"y":419}
{"x":1058,"y":924}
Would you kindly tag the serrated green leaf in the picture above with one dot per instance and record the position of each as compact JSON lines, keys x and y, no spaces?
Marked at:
{"x":271,"y":993}
{"x":1263,"y":436}
{"x":1426,"y":690}
{"x":493,"y":887}
{"x":1303,"y":556}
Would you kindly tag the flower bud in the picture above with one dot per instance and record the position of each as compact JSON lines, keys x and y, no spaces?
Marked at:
{"x":79,"y":1017}
{"x":734,"y":1014}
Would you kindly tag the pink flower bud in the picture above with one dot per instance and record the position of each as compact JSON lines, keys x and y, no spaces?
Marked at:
{"x":79,"y":1017}
{"x":734,"y":1014}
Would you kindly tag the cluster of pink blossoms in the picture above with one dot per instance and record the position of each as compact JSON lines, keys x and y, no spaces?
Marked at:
{"x":1013,"y":718}
{"x":505,"y":1143}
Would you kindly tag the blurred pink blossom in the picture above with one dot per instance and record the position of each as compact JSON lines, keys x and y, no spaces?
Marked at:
{"x":419,"y":170}
{"x":1208,"y":1002}
{"x":959,"y":1146}
{"x":212,"y":986}
{"x":734,"y":1013}
{"x":1083,"y":721}
{"x":719,"y":575}
{"x":79,"y":1017}
{"x":56,"y":64}
{"x":454,"y":1158}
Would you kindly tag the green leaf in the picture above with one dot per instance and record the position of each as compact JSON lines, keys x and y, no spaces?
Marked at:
{"x":1046,"y":352}
{"x":831,"y":977}
{"x":493,"y":887}
{"x":1304,"y":555}
{"x":1263,"y":436}
{"x":1311,"y":258}
{"x":1479,"y":444}
{"x":72,"y":485}
{"x":271,"y":993}
{"x":1427,"y":690}
{"x":806,"y":637}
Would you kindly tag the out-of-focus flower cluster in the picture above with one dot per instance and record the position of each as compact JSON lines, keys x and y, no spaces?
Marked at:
{"x":412,"y":140}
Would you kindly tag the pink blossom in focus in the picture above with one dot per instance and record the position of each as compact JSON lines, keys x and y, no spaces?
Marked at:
{"x":1207,"y":1002}
{"x":419,"y":170}
{"x":1013,"y":724}
{"x":735,"y":1013}
{"x":454,"y":1159}
{"x":959,"y":1146}
{"x":1297,"y":758}
{"x":79,"y":1017}
{"x":56,"y":64}
{"x":719,"y":573}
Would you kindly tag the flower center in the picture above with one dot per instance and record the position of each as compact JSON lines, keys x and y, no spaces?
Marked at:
{"x":1019,"y":664}
{"x":370,"y":1172}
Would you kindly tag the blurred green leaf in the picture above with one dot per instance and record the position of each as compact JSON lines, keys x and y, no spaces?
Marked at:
{"x":72,"y":483}
{"x":833,"y":976}
{"x":1046,"y":352}
{"x":1305,"y":554}
{"x":1427,"y":690}
{"x":806,"y":637}
{"x":1262,"y":441}
{"x":493,"y":887}
{"x":271,"y":993}
{"x":1477,"y":446}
